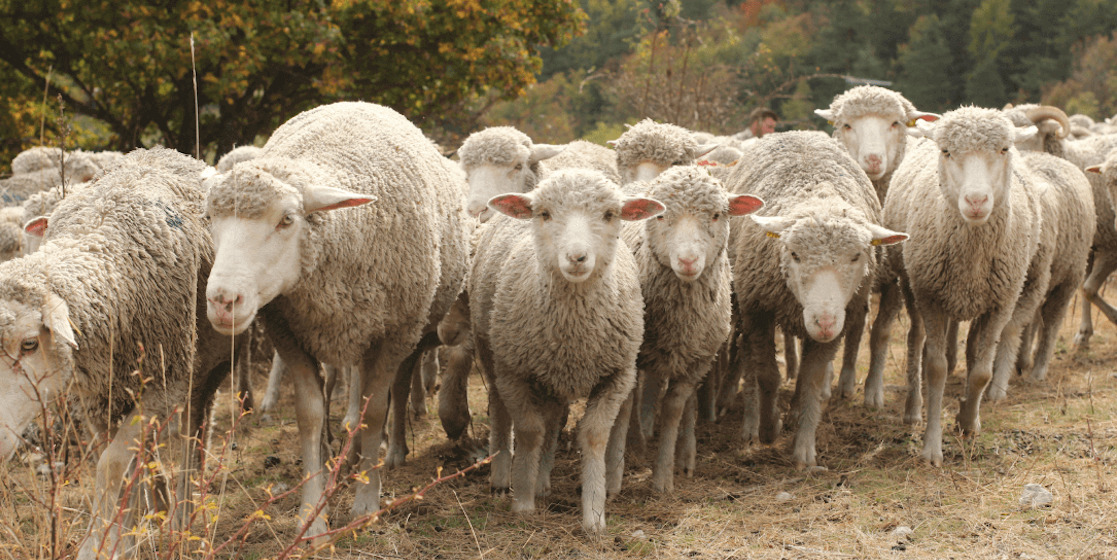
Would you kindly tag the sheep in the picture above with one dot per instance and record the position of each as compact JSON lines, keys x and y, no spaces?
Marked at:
{"x":501,"y":159}
{"x":1053,"y":125}
{"x":803,"y":266}
{"x":647,"y":148}
{"x":1067,"y":208}
{"x":685,"y":280}
{"x":119,"y":275}
{"x":871,"y":122}
{"x":556,"y":314}
{"x":285,"y":253}
{"x":11,"y":232}
{"x":80,"y":166}
{"x":237,"y":155}
{"x":972,"y":209}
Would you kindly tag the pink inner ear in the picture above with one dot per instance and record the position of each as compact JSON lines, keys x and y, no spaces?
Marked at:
{"x":640,"y":209}
{"x":36,"y":227}
{"x":345,"y":204}
{"x":891,"y":239}
{"x":928,"y":118}
{"x":513,"y":205}
{"x":1094,"y":169}
{"x":744,"y":205}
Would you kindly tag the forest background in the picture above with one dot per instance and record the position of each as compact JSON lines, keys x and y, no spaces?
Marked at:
{"x":117,"y":74}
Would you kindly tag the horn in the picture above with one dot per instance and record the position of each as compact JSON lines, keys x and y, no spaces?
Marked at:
{"x":1044,"y":112}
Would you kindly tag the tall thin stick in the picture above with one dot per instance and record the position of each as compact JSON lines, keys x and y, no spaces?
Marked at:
{"x":197,"y":118}
{"x":43,"y":117}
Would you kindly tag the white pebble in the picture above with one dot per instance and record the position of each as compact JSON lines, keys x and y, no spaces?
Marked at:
{"x":784,"y":497}
{"x":902,"y":531}
{"x":1035,"y":495}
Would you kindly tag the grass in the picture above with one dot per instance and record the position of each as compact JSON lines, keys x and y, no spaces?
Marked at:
{"x":1061,"y":434}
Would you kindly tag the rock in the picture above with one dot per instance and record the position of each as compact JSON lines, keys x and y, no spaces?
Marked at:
{"x":1035,"y":495}
{"x":902,"y":532}
{"x":639,"y":534}
{"x":784,"y":497}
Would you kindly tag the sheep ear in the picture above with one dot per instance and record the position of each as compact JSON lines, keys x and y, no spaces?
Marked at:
{"x":540,"y":152}
{"x":705,"y":149}
{"x":1094,"y":168}
{"x":641,"y":208}
{"x":885,"y":236}
{"x":744,"y":204}
{"x":612,"y":143}
{"x":56,"y":318}
{"x":322,"y":199}
{"x":926,"y":127}
{"x":36,"y":226}
{"x":1025,"y":133}
{"x":921,"y":116}
{"x":515,"y":205}
{"x":774,"y":226}
{"x":826,"y":114}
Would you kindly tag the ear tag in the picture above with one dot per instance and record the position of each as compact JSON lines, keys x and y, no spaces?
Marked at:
{"x":772,"y":234}
{"x":911,"y":123}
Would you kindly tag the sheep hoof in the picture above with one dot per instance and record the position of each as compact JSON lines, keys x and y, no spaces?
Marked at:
{"x":1082,"y":341}
{"x":874,"y":398}
{"x":933,"y":456}
{"x":499,"y":491}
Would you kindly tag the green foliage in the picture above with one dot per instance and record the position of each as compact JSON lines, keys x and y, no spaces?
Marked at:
{"x":925,"y":65}
{"x":1092,"y":86}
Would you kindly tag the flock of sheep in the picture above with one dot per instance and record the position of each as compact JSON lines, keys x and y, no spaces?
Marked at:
{"x":623,"y":276}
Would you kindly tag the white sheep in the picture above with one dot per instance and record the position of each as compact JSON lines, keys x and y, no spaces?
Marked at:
{"x":557,"y":315}
{"x":871,"y":122}
{"x":648,"y":148}
{"x":973,"y":212}
{"x":284,"y":253}
{"x":237,"y":155}
{"x":501,"y":159}
{"x":686,"y":282}
{"x":803,"y":266}
{"x":117,"y":285}
{"x":46,"y":161}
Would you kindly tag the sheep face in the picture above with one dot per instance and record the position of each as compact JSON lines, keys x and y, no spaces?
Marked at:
{"x":825,"y":259}
{"x":259,"y":223}
{"x":575,"y":217}
{"x":37,"y":342}
{"x":976,"y":180}
{"x":692,"y":232}
{"x":875,"y":141}
{"x":646,"y":171}
{"x":500,"y":160}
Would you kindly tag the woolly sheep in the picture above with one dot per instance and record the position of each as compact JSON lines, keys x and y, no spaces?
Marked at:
{"x":287,"y":256}
{"x":237,"y":155}
{"x":972,"y":210}
{"x":1051,"y":138}
{"x":42,"y":160}
{"x":803,"y":266}
{"x":1067,"y":208}
{"x":685,"y":280}
{"x":119,"y":275}
{"x":11,"y":232}
{"x":871,"y":122}
{"x":647,"y":148}
{"x":501,"y":159}
{"x":556,"y":315}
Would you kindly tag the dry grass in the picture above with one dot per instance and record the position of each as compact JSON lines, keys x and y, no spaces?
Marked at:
{"x":1062,"y":434}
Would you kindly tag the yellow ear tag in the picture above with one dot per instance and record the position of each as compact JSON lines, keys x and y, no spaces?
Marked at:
{"x":911,"y":123}
{"x":831,"y":123}
{"x":875,"y":242}
{"x":772,"y":234}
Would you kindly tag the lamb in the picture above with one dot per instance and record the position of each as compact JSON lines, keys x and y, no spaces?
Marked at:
{"x":237,"y":155}
{"x":966,"y":188}
{"x":647,"y":148}
{"x":556,"y":314}
{"x":685,"y":279}
{"x":120,"y":274}
{"x":285,"y":253}
{"x":871,"y":122}
{"x":501,"y":159}
{"x":1053,"y":125}
{"x":803,"y":266}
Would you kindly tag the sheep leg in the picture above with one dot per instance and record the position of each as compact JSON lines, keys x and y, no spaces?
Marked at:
{"x":554,"y":416}
{"x":855,"y":329}
{"x":1052,"y":313}
{"x":103,"y":538}
{"x":453,"y":398}
{"x":531,"y":427}
{"x":500,"y":425}
{"x":790,"y":356}
{"x":731,"y":383}
{"x":707,"y":393}
{"x":379,"y":371}
{"x":637,"y":441}
{"x":596,"y":433}
{"x":422,"y":384}
{"x":936,"y":325}
{"x":242,"y":373}
{"x":1005,"y":362}
{"x":1024,"y":359}
{"x":952,"y":348}
{"x":989,"y":330}
{"x":1104,"y":265}
{"x":761,"y":375}
{"x":679,"y":391}
{"x":352,"y":418}
{"x":275,"y":375}
{"x":812,"y":375}
{"x":887,"y":310}
{"x":686,"y":448}
{"x":914,"y":368}
{"x":650,"y":396}
{"x":614,"y":450}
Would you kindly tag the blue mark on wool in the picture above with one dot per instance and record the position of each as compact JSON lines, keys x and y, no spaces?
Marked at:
{"x":172,"y":217}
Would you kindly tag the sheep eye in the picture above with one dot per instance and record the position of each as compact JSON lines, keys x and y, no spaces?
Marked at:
{"x":794,"y":256}
{"x":286,"y":221}
{"x":716,"y":216}
{"x":945,"y":154}
{"x":659,"y":217}
{"x":896,"y":124}
{"x":856,"y":257}
{"x":1004,"y":151}
{"x":846,"y":127}
{"x":545,"y":215}
{"x":519,"y":167}
{"x":609,"y":216}
{"x":30,"y":345}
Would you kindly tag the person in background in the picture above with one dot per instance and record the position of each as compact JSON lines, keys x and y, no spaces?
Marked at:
{"x":762,"y":120}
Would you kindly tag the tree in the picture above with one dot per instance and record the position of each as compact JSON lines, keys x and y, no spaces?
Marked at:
{"x":991,"y":33}
{"x":924,"y":63}
{"x":1092,"y":86}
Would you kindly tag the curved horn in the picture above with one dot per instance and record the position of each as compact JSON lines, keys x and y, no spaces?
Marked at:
{"x":1044,"y":112}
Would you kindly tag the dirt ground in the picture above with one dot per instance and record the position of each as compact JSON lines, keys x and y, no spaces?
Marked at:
{"x":875,"y":499}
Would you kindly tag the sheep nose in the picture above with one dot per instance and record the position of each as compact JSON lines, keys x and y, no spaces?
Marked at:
{"x":976,"y":201}
{"x":688,"y":262}
{"x":826,"y":323}
{"x":873,"y":160}
{"x":222,"y":301}
{"x":576,"y":257}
